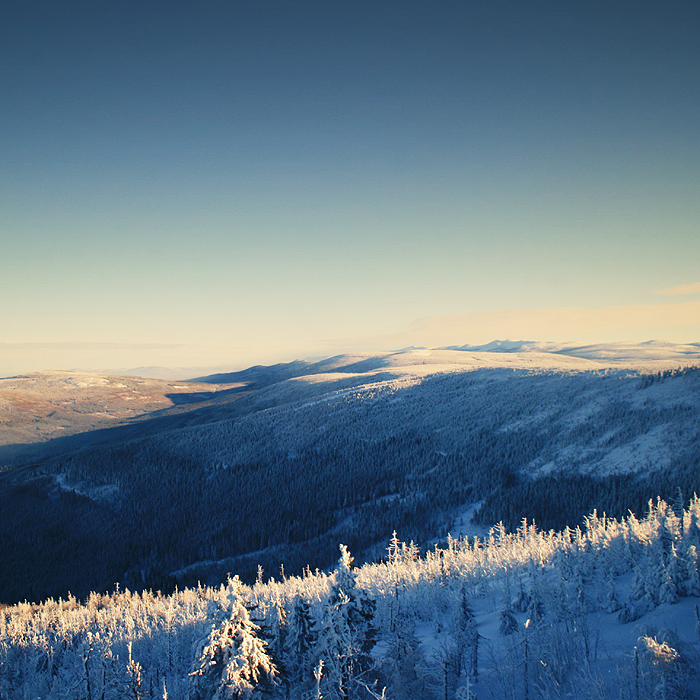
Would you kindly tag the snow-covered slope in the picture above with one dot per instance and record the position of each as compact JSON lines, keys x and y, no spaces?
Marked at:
{"x":35,"y":408}
{"x":593,"y":419}
{"x":349,"y":448}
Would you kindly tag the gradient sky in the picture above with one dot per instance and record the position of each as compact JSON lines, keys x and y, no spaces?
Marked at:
{"x":227,"y":183}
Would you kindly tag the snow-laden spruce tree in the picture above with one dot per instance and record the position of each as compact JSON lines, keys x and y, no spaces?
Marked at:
{"x":507,"y":622}
{"x":234,"y":662}
{"x":692,"y":574}
{"x":403,"y":659}
{"x":467,"y":640}
{"x":297,"y":647}
{"x":346,"y":636}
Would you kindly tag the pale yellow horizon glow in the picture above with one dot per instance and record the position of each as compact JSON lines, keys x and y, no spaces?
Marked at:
{"x":677,"y":323}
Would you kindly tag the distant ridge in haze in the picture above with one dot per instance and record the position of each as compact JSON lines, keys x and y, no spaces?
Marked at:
{"x":649,"y":350}
{"x":173,"y":374}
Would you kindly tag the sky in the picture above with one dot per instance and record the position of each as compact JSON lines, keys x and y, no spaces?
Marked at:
{"x":227,"y":183}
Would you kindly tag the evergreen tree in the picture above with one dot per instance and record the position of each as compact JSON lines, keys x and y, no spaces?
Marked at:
{"x":638,"y":581}
{"x":523,"y":600}
{"x":612,"y":603}
{"x":535,"y":610}
{"x":508,"y":623}
{"x":234,"y":662}
{"x":347,"y":635}
{"x":298,"y":644}
{"x":653,"y":577}
{"x":670,"y":581}
{"x":403,"y":660}
{"x":134,"y":677}
{"x":467,"y":639}
{"x":692,"y":576}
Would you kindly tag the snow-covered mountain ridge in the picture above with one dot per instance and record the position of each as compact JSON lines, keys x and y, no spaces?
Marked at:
{"x":296,"y":457}
{"x":623,"y":353}
{"x":40,"y":407}
{"x":651,"y":356}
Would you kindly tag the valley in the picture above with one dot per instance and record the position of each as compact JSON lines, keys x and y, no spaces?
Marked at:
{"x":183,"y":535}
{"x":274,"y":466}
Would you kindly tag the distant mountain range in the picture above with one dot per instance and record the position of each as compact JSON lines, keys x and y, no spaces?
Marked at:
{"x":40,"y":407}
{"x":651,"y":350}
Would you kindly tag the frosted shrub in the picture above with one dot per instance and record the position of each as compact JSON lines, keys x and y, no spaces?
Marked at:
{"x":665,"y":670}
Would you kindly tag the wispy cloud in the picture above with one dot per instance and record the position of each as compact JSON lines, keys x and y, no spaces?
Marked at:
{"x":418,"y":302}
{"x":678,"y":322}
{"x":78,"y":345}
{"x":681,"y":289}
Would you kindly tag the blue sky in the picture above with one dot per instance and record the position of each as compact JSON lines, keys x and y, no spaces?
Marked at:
{"x":226,"y":183}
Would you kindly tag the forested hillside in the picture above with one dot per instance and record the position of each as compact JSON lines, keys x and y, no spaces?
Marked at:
{"x":350,"y":451}
{"x":606,"y":611}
